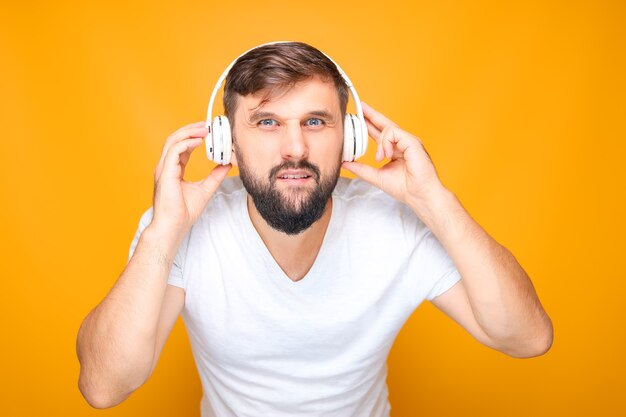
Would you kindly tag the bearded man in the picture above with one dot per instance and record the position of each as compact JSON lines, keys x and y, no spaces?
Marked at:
{"x":293,"y":282}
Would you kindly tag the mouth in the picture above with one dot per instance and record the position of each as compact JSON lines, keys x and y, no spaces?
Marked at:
{"x":294,"y":177}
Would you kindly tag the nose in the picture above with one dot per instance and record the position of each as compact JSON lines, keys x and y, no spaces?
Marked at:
{"x":294,"y":145}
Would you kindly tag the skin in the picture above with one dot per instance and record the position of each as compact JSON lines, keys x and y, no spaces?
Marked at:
{"x":120,"y":340}
{"x":495,"y":300}
{"x":289,"y":132}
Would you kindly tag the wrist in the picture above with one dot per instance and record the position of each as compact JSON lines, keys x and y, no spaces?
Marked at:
{"x":167,"y":240}
{"x":436,"y":209}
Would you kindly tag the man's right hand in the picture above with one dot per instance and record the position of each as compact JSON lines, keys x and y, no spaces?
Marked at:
{"x":178,"y":203}
{"x":119,"y":342}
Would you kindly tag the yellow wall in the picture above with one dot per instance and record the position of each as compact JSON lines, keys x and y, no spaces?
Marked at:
{"x":520,"y":105}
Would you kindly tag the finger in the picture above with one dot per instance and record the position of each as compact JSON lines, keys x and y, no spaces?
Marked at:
{"x":190,"y":125}
{"x":215,"y":178}
{"x":189,"y":131}
{"x":375,"y":134}
{"x":180,"y":133}
{"x":387,"y":143}
{"x":184,"y":157}
{"x":377,"y":119}
{"x":395,"y":142}
{"x":400,"y":144}
{"x":372,"y":130}
{"x":172,"y":167}
{"x":194,"y":130}
{"x":367,"y":172}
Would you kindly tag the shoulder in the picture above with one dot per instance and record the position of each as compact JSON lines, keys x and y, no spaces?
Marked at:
{"x":349,"y":189}
{"x":230,"y":193}
{"x":370,"y":205}
{"x":358,"y":194}
{"x":230,"y":187}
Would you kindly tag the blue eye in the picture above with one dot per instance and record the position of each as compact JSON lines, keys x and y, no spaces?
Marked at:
{"x":317,"y":122}
{"x":263,"y":122}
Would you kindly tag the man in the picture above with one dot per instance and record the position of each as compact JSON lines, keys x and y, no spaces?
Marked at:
{"x":293,"y":282}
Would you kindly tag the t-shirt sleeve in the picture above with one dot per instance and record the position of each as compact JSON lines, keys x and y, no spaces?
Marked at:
{"x":176,"y":274}
{"x":430,"y":268}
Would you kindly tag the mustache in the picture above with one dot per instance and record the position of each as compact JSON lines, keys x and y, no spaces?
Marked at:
{"x":304,"y":165}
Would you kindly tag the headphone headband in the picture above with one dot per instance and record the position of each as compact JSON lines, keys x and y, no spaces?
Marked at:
{"x":362,"y":131}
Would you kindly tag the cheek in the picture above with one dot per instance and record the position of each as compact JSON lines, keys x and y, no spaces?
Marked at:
{"x":331,"y":150}
{"x":258,"y":162}
{"x":330,"y":162}
{"x":257,"y":151}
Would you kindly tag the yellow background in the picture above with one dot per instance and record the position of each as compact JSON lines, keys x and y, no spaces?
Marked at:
{"x":520,"y":104}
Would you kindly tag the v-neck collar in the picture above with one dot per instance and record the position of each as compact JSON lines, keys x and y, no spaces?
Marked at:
{"x":278,"y":275}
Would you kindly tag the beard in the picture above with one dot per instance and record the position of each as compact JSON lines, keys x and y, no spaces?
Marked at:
{"x":297,"y":211}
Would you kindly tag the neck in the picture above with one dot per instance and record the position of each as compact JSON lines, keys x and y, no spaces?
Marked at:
{"x":304,"y":242}
{"x":295,"y":254}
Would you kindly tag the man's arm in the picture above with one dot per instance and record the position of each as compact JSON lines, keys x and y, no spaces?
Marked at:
{"x":119,"y":342}
{"x":495,"y":300}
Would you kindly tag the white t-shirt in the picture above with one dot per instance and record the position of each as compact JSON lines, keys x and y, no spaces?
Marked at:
{"x":265,"y":345}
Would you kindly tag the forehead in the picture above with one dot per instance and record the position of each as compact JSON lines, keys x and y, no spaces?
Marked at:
{"x":303,"y":97}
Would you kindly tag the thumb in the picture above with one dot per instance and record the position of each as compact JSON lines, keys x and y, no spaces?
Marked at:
{"x":215,"y":178}
{"x":364,"y":171}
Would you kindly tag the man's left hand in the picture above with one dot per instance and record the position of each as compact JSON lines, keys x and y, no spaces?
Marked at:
{"x":410,"y":175}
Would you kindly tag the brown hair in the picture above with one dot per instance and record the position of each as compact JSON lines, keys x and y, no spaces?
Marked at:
{"x":276,"y":67}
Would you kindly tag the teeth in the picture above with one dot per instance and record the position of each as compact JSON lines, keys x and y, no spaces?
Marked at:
{"x":294,"y":176}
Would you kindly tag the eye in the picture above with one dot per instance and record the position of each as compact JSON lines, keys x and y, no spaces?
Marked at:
{"x":267,"y":122}
{"x":315,"y":122}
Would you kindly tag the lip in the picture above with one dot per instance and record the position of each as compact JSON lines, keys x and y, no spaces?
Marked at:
{"x":301,"y":175}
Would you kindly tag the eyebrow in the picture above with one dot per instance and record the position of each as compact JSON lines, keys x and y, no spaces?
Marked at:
{"x":257,"y":115}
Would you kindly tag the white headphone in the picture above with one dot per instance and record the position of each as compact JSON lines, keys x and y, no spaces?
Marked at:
{"x":219,"y":140}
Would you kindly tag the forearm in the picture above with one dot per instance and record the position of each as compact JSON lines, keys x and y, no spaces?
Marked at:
{"x":502,"y":297}
{"x":116,"y":342}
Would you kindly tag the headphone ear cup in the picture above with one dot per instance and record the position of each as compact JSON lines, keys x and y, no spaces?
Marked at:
{"x":208,"y":141}
{"x":349,"y":138}
{"x":218,"y":138}
{"x":358,"y":137}
{"x":363,"y":137}
{"x":217,"y":135}
{"x":227,"y":141}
